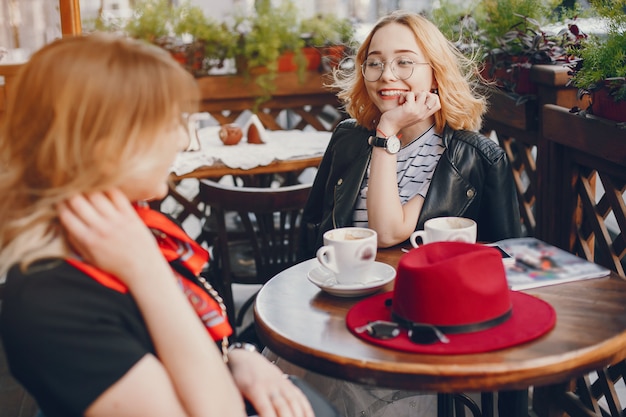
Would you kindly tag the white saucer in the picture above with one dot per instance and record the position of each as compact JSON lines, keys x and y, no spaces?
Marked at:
{"x":380,"y":275}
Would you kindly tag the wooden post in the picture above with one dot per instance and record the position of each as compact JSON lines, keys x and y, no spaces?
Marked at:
{"x":70,"y":17}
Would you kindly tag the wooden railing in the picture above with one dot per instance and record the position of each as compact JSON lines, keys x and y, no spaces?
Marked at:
{"x":295,"y":103}
{"x":577,"y":154}
{"x":516,"y":124}
{"x":570,"y":174}
{"x":584,"y":171}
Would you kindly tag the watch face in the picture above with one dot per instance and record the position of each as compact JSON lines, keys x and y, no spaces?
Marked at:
{"x":393,"y":144}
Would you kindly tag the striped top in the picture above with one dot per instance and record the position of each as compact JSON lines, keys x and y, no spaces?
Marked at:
{"x":416,"y":164}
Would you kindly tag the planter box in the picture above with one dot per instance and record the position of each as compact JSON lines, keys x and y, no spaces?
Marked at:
{"x":504,"y":109}
{"x":603,"y":105}
{"x":239,"y":87}
{"x":551,"y":87}
{"x":597,"y":137}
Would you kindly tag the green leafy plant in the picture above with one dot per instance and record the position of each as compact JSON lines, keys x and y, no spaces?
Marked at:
{"x":457,"y":22}
{"x":332,"y":36}
{"x":603,"y":57}
{"x":216,"y":39}
{"x":496,"y":18}
{"x":263,"y":36}
{"x":526,"y":44}
{"x":266,"y":33}
{"x":513,"y":40}
{"x":507,"y":36}
{"x":326,"y":29}
{"x":151,"y":20}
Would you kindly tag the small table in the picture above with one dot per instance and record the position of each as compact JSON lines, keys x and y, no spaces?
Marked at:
{"x":286,"y":152}
{"x":306,"y":326}
{"x":220,"y":170}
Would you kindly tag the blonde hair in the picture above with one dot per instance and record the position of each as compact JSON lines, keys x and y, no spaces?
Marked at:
{"x":83,"y":116}
{"x":462,"y":107}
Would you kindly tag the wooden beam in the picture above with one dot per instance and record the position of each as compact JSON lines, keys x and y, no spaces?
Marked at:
{"x":70,"y":17}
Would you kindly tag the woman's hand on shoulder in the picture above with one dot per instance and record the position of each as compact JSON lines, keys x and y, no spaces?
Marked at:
{"x":105,"y":230}
{"x":266,"y":386}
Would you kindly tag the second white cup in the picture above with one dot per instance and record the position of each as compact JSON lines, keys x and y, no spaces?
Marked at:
{"x":440,"y":229}
{"x":349,"y":252}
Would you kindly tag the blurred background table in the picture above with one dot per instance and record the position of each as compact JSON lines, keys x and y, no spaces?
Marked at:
{"x":285,"y":156}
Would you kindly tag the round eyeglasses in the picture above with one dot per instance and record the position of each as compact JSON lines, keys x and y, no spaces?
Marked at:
{"x":401,"y":67}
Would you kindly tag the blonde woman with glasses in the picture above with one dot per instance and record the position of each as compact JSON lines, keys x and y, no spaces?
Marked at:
{"x":411,"y":150}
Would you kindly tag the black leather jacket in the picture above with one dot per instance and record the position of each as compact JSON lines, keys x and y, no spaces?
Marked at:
{"x":472,"y":179}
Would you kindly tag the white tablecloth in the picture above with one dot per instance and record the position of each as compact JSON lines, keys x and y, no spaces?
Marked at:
{"x":279,"y":145}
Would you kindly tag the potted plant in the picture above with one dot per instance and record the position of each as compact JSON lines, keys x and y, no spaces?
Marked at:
{"x":211,"y":42}
{"x":512,"y":39}
{"x":524,"y":45}
{"x":263,"y":36}
{"x":457,"y":22}
{"x":331,"y":35}
{"x":150,"y":21}
{"x":158,"y":22}
{"x":601,"y":72}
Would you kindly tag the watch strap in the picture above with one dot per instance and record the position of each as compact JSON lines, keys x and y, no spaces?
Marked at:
{"x":378,"y":142}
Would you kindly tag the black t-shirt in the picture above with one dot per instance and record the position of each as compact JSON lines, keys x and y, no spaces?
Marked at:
{"x":67,"y":337}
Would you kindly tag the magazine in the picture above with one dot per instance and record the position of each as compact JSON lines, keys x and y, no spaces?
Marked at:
{"x":539,"y":264}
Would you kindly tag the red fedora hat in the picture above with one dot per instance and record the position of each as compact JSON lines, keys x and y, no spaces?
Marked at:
{"x":450,"y":298}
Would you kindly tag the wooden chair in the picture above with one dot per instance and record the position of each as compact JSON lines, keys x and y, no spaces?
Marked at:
{"x":263,"y":239}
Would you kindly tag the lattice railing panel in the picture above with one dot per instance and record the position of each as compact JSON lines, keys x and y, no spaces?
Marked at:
{"x":319,"y":117}
{"x":594,"y":239}
{"x":522,"y":159}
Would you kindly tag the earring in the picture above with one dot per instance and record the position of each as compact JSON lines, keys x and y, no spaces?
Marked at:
{"x":435,"y":91}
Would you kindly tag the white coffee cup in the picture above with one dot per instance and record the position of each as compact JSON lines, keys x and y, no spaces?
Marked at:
{"x":440,"y":229}
{"x":349,"y":252}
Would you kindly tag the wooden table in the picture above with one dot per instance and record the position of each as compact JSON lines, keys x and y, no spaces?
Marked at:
{"x":217,"y":171}
{"x":306,"y":326}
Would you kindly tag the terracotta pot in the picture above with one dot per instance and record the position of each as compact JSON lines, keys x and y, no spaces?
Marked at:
{"x":287,"y":63}
{"x":603,"y":105}
{"x":523,"y":84}
{"x":190,"y":56}
{"x":313,"y":57}
{"x":519,"y":76}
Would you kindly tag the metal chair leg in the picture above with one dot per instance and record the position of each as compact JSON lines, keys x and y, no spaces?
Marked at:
{"x":445,"y":405}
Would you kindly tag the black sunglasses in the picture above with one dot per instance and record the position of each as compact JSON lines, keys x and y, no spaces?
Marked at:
{"x":423,"y":334}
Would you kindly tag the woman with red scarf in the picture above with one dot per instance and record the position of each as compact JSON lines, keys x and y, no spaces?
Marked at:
{"x":103,"y":314}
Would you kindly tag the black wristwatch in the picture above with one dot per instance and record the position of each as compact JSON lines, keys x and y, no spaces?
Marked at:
{"x":391,"y":144}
